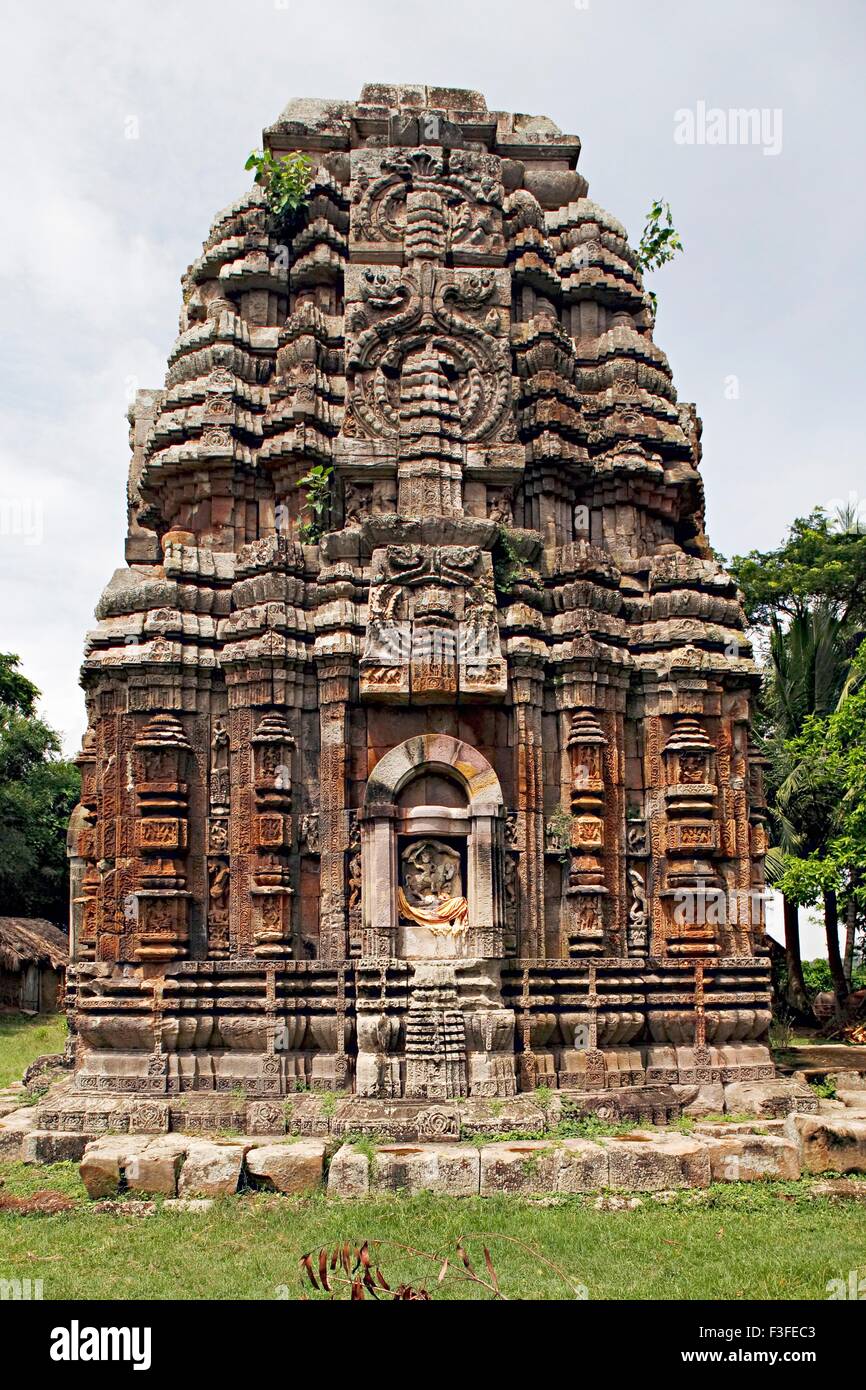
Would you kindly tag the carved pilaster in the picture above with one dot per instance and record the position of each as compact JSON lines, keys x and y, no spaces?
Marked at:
{"x":585,"y":888}
{"x":162,"y":757}
{"x":336,"y":681}
{"x":692,"y":840}
{"x":272,"y":891}
{"x":527,"y":693}
{"x":81,"y":848}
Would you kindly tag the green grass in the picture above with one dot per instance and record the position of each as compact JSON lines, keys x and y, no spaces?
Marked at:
{"x":732,"y":1241}
{"x":23,"y":1039}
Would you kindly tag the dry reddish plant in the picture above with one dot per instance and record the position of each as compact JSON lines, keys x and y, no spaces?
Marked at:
{"x":355,"y":1272}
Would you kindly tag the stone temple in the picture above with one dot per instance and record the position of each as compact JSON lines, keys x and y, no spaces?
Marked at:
{"x":434,"y":781}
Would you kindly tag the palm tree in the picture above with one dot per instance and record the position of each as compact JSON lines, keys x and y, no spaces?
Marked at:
{"x":809,"y":669}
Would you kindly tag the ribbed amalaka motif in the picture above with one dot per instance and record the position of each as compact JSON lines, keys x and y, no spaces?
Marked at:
{"x":442,"y":785}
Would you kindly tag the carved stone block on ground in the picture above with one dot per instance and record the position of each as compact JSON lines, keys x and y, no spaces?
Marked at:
{"x":769,"y":1098}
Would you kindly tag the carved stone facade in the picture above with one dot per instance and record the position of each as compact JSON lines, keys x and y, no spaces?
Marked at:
{"x":458,"y":799}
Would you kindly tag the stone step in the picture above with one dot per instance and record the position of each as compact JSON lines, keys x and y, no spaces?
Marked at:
{"x":187,"y":1166}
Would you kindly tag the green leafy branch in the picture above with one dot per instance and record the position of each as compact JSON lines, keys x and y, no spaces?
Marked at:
{"x":285,"y":182}
{"x":317,"y":502}
{"x":660,"y":241}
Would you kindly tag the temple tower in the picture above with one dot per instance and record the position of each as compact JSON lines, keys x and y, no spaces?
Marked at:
{"x":446,"y":788}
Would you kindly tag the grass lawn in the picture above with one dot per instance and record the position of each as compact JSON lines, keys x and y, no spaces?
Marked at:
{"x":752,"y":1240}
{"x":758,"y":1240}
{"x":23,"y":1039}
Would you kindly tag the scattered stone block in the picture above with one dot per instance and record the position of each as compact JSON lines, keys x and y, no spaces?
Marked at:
{"x":849,"y":1081}
{"x":103,"y":1165}
{"x":191,"y":1204}
{"x":12,"y":1131}
{"x":753,"y":1157}
{"x":289,"y":1167}
{"x":829,"y":1143}
{"x":840,"y":1189}
{"x":212,"y":1168}
{"x":349,"y":1173}
{"x":721,"y":1130}
{"x":521,"y":1113}
{"x":157,"y":1168}
{"x":453,"y":1170}
{"x":710,"y":1100}
{"x":645,"y":1163}
{"x":769,"y":1098}
{"x":52,"y":1146}
{"x":518,"y":1167}
{"x":582,"y":1166}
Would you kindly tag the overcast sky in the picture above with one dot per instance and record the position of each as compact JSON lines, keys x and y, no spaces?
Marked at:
{"x":762,"y":318}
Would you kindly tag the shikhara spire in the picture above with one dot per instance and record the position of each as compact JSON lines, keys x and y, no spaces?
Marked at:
{"x":449,"y":792}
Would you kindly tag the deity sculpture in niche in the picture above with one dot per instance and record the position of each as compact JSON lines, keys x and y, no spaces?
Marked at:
{"x":431,"y":888}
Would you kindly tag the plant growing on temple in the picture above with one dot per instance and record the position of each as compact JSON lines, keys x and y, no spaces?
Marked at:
{"x":285,"y":182}
{"x":559,"y":832}
{"x":38,"y":789}
{"x":660,"y":241}
{"x":509,"y":568}
{"x":317,"y":502}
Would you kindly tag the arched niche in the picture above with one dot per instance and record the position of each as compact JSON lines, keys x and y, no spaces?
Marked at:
{"x":436,"y":791}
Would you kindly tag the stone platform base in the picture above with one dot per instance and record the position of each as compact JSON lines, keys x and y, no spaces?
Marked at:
{"x":67,"y":1118}
{"x":641,"y":1160}
{"x":356,"y":1149}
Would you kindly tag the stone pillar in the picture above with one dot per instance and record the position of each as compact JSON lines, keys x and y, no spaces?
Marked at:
{"x":81,"y":849}
{"x":217,"y":846}
{"x":485,"y":887}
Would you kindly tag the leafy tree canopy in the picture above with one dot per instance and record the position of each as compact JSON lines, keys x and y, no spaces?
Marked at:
{"x":819,"y":560}
{"x":38,"y":789}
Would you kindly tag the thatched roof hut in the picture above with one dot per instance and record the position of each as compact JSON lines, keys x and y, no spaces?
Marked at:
{"x":33,"y":959}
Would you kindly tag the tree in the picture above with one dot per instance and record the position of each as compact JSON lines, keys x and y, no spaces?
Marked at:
{"x":820,"y":561}
{"x":809,"y":597}
{"x":821,"y":810}
{"x":38,"y":789}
